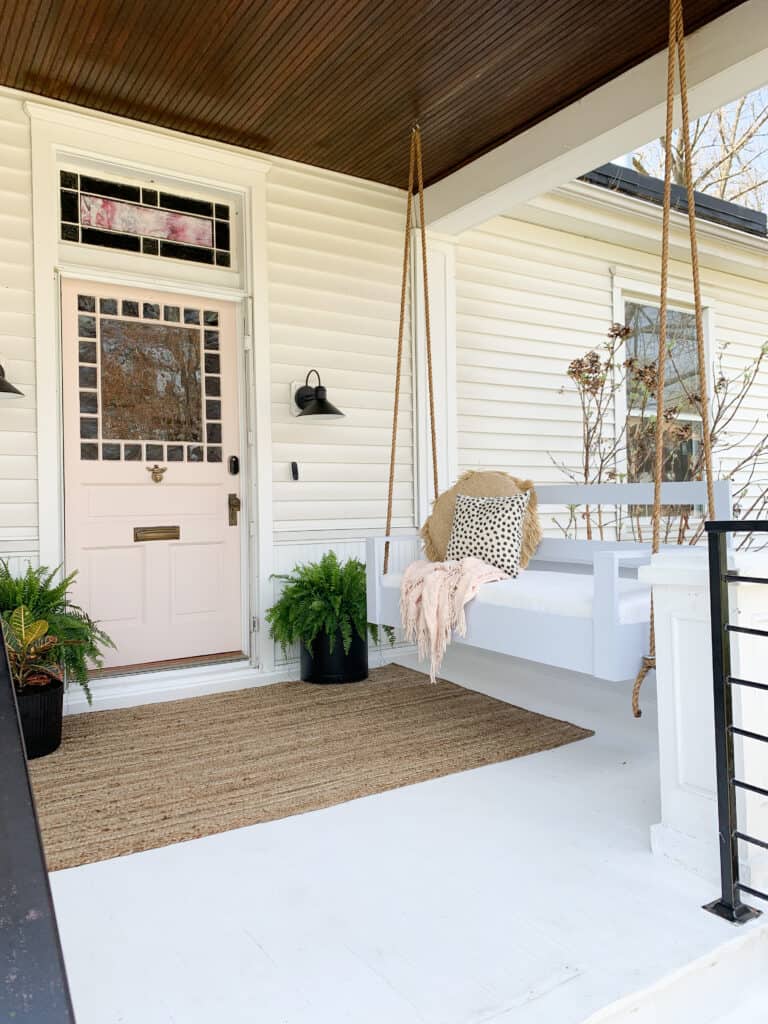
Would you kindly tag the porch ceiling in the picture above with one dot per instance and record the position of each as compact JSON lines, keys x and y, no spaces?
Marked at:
{"x":334,"y":83}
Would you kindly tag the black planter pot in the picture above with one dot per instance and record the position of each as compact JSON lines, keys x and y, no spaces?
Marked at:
{"x":40,"y":711}
{"x":324,"y":666}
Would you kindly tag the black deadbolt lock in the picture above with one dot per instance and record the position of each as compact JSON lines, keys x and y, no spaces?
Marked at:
{"x":234,"y":465}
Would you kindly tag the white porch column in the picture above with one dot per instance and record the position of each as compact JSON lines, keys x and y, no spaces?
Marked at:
{"x":688,"y":831}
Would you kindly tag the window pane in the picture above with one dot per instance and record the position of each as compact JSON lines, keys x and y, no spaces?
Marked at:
{"x":682,"y":434}
{"x":682,"y":439}
{"x":150,"y":381}
{"x":125,"y":216}
{"x":112,"y":215}
{"x":681,"y":384}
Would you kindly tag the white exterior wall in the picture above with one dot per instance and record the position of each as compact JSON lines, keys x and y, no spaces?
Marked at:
{"x":334,"y":261}
{"x":526,"y":305}
{"x":531,"y":293}
{"x":530,"y":297}
{"x":18,"y":464}
{"x":335,"y":256}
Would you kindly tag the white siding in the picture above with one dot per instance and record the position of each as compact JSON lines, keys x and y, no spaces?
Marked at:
{"x":529,"y":299}
{"x":524,"y":309}
{"x":18,"y":485}
{"x":334,"y":277}
{"x":334,"y":268}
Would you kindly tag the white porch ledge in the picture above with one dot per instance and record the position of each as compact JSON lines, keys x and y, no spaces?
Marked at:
{"x":688,"y":832}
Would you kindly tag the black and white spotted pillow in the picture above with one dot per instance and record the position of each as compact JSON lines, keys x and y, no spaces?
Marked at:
{"x":490,"y":529}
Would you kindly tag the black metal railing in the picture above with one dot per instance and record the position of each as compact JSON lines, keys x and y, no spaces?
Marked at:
{"x":33,"y":982}
{"x":730,"y":905}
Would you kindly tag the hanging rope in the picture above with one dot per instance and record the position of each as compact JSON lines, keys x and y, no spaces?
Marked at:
{"x":427,"y":330}
{"x":415,"y":168}
{"x":706,"y":437}
{"x":676,"y":48}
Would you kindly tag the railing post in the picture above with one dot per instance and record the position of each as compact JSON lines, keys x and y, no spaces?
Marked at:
{"x":729,"y":905}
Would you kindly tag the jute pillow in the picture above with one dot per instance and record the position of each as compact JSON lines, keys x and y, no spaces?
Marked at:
{"x":436,"y":532}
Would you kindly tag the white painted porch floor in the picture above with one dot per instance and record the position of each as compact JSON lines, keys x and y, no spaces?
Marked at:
{"x":523,"y":891}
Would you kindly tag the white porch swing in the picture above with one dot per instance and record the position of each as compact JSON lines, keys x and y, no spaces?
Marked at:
{"x":573,"y":608}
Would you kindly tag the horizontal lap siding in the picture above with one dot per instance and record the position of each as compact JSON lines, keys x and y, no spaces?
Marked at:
{"x":335,"y":254}
{"x":18,"y":470}
{"x":334,"y":258}
{"x":529,"y":299}
{"x":741,"y":323}
{"x":524,"y":311}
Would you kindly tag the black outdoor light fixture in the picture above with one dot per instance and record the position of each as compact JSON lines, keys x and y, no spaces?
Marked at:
{"x":6,"y":388}
{"x":312,"y":400}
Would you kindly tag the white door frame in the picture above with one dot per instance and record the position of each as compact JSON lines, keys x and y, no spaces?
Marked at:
{"x":63,"y":134}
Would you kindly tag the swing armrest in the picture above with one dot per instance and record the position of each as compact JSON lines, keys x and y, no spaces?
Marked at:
{"x":602,"y":559}
{"x":607,"y":636}
{"x":605,"y":596}
{"x":374,"y":565}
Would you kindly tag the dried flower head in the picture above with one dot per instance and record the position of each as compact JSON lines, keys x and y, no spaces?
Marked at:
{"x":619,"y":332}
{"x":588,"y":372}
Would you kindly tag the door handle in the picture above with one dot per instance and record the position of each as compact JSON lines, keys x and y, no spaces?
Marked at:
{"x":233,"y":503}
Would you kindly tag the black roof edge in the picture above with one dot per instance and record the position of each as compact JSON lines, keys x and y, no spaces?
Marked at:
{"x":641,"y":186}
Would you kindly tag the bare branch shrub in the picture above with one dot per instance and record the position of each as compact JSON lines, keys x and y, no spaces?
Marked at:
{"x":739,"y":453}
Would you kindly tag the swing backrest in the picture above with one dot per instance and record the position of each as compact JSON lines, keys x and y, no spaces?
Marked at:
{"x":567,"y":551}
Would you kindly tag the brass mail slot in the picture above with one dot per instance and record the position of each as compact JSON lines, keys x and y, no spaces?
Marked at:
{"x":156,"y":533}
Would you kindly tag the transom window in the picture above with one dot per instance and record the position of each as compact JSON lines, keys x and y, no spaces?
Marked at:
{"x":120,"y":215}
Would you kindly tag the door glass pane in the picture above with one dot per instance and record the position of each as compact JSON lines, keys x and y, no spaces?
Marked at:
{"x":150,"y":381}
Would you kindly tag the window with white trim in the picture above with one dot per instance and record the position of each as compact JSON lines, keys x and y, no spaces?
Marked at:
{"x":681,"y":393}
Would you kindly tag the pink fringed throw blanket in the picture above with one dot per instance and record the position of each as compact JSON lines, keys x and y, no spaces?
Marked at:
{"x":432,"y":600}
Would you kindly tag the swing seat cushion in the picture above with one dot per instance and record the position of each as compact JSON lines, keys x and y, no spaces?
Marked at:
{"x":556,"y":593}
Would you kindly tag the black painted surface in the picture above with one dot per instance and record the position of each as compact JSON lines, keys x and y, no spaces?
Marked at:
{"x":326,"y":666}
{"x":641,"y":186}
{"x":40,"y":714}
{"x":730,"y":905}
{"x":34,"y":986}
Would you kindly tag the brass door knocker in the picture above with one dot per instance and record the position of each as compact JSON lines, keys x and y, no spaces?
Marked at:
{"x":157,"y":473}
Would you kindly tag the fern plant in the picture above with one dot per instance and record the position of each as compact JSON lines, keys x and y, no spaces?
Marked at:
{"x":79,"y":640}
{"x":323,"y":597}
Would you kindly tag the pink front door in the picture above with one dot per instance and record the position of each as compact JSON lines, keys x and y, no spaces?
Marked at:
{"x":150,"y":429}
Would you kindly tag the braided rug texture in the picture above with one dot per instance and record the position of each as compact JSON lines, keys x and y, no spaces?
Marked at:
{"x":139,"y":778}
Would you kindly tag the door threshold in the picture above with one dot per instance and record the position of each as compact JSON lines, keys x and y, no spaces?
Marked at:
{"x":199,"y":661}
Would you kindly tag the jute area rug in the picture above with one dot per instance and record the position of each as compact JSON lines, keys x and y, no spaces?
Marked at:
{"x":144,"y":777}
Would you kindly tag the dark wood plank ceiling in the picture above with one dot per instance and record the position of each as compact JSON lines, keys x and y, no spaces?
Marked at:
{"x":336,"y":83}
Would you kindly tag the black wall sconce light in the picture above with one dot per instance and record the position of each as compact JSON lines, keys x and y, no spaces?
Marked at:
{"x":313,"y":401}
{"x":6,"y":388}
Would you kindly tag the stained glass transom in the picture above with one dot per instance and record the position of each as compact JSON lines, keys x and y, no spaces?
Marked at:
{"x":144,"y":381}
{"x":95,"y":211}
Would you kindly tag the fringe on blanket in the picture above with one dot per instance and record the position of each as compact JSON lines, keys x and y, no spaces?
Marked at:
{"x":433,"y":598}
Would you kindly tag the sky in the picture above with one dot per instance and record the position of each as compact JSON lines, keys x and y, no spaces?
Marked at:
{"x":730,"y":156}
